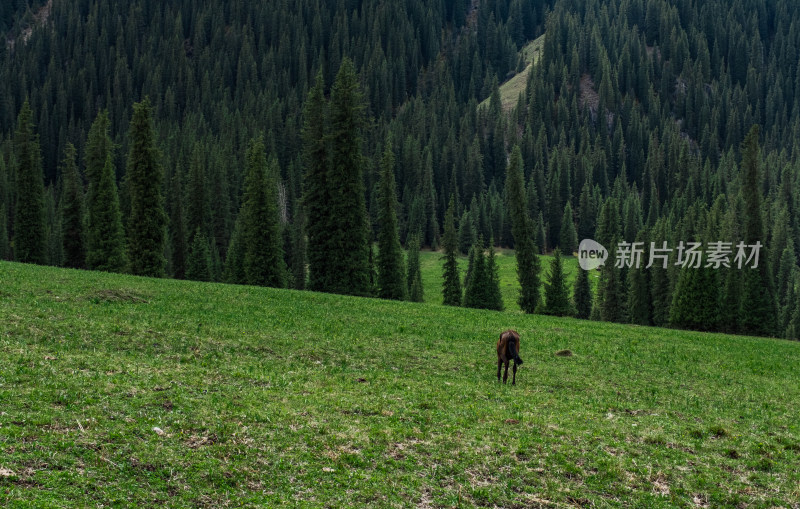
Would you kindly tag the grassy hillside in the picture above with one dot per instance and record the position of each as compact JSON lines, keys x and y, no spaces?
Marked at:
{"x":510,"y":90}
{"x":267,"y":398}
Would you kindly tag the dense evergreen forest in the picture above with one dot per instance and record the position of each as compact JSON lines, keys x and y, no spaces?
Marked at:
{"x":219,"y":126}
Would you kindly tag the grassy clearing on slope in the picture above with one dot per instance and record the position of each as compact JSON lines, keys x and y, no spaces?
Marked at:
{"x":270,"y":398}
{"x":510,"y":90}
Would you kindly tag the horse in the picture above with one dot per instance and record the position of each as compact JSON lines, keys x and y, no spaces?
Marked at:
{"x":508,"y":349}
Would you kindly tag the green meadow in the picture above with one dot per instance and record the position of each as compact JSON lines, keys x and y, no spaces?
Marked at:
{"x":118,"y":391}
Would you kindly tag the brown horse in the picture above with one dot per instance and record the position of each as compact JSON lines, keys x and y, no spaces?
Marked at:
{"x":508,"y":349}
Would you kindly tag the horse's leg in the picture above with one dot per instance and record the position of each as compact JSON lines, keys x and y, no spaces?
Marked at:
{"x":514,"y":379}
{"x":499,"y":364}
{"x":505,"y":374}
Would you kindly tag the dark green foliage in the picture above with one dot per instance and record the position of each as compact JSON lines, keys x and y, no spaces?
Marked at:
{"x":348,"y":240}
{"x":569,"y":236}
{"x":556,"y":290}
{"x":5,"y":198}
{"x":30,"y":236}
{"x":145,"y":175}
{"x":522,"y":228}
{"x":316,"y":193}
{"x":55,"y":242}
{"x":414,"y":277}
{"x":482,"y":285}
{"x":451,"y":289}
{"x":177,"y":229}
{"x":197,"y":200}
{"x":299,"y":249}
{"x":582,"y":295}
{"x":391,"y":280}
{"x":611,"y":297}
{"x":106,"y":238}
{"x":198,"y":264}
{"x":495,"y":298}
{"x":72,"y":212}
{"x":260,"y":235}
{"x":758,"y":310}
{"x":640,"y":304}
{"x":467,"y":234}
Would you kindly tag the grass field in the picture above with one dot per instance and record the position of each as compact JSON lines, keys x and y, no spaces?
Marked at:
{"x":268,"y":398}
{"x":510,"y":90}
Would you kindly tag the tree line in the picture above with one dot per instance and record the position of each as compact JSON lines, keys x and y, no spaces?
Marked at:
{"x":632,"y":128}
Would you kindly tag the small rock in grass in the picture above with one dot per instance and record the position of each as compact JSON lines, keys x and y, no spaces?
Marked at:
{"x":361,"y":380}
{"x":4,"y":472}
{"x":158,"y":431}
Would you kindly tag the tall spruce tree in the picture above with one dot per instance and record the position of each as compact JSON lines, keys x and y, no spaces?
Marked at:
{"x":260,"y":235}
{"x":177,"y":228}
{"x":475,"y":287}
{"x":145,"y":175}
{"x":5,"y":244}
{"x":316,"y":192}
{"x":494,"y":297}
{"x":556,"y":290}
{"x":451,"y":289}
{"x":348,"y":250}
{"x":522,"y":229}
{"x":414,"y":278}
{"x":582,"y":295}
{"x":30,"y":235}
{"x":640,"y":304}
{"x":198,"y":263}
{"x":569,"y":236}
{"x":758,"y":310}
{"x":106,"y":238}
{"x":72,"y":212}
{"x":391,"y":281}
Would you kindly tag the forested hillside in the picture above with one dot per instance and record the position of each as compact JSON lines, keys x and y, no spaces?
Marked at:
{"x":634,"y":127}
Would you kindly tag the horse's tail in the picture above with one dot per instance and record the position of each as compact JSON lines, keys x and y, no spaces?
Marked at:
{"x":513,"y":352}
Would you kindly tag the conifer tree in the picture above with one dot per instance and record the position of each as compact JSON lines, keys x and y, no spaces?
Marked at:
{"x":476,"y":285}
{"x":451,"y":289}
{"x":5,"y":245}
{"x":494,"y":297}
{"x":467,"y":234}
{"x":522,"y":229}
{"x":260,"y":236}
{"x":569,"y":236}
{"x":299,"y":247}
{"x":470,"y":266}
{"x":198,"y":264}
{"x":582,"y":296}
{"x":72,"y":225}
{"x":639,"y":300}
{"x":757,"y":312}
{"x":316,"y":191}
{"x":105,"y":239}
{"x":414,"y":279}
{"x":145,"y":175}
{"x":197,"y":203}
{"x":30,"y":235}
{"x":391,"y":283}
{"x":348,"y":250}
{"x":177,"y":229}
{"x":556,"y":291}
{"x":55,"y":242}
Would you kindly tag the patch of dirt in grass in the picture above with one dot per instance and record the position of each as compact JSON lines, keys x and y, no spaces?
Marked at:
{"x":117,"y":295}
{"x":660,"y":485}
{"x":564,"y":353}
{"x":196,"y":441}
{"x":4,"y":472}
